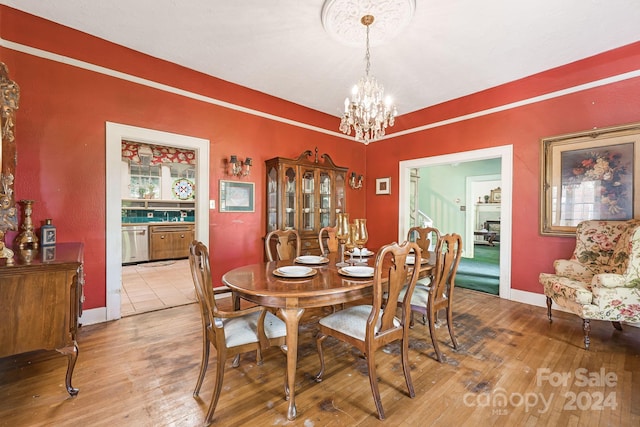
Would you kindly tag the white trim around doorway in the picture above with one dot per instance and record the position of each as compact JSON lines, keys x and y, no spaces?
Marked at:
{"x":115,"y":133}
{"x":505,"y":153}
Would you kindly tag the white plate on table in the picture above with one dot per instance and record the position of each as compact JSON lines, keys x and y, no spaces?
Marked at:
{"x":356,"y":271}
{"x":365,"y":252}
{"x":294,"y":272}
{"x":411,"y":260}
{"x":311,"y":259}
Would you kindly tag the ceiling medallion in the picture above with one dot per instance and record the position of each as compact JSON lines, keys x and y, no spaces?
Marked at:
{"x":341,"y":19}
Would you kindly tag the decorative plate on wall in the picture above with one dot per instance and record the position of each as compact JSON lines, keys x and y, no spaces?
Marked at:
{"x":183,"y":189}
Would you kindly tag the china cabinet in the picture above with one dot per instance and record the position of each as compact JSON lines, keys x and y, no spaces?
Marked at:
{"x":304,"y":194}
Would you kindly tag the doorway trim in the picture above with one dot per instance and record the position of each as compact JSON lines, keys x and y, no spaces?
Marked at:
{"x":471,"y":210}
{"x":505,"y":153}
{"x":115,"y":133}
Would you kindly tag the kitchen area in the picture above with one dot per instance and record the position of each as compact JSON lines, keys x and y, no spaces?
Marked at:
{"x":158,"y":224}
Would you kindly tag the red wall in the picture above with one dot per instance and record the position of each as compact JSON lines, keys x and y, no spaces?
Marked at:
{"x":522,"y":127}
{"x":60,"y":134}
{"x":60,"y":137}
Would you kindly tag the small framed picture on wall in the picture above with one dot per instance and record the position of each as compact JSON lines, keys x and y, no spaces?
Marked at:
{"x":383,"y":185}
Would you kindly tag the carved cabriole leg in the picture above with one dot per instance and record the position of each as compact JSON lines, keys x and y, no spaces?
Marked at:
{"x":236,"y":361}
{"x":204,"y":363}
{"x":432,"y":330}
{"x":450,"y":326}
{"x":373,"y":382}
{"x":549,"y":302}
{"x":319,"y":340}
{"x":587,"y":328}
{"x":72,"y":355}
{"x":291,"y":316}
{"x":617,"y":325}
{"x":221,"y":358}
{"x":406,"y":369}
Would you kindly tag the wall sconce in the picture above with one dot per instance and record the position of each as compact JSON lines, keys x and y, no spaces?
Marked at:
{"x":356,"y":183}
{"x":238,"y":167}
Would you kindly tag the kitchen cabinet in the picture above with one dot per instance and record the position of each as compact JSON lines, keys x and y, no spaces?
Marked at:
{"x":304,"y":194}
{"x":170,"y":241}
{"x":41,"y":296}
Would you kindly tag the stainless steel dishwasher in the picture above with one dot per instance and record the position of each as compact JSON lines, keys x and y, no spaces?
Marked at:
{"x":135,"y":243}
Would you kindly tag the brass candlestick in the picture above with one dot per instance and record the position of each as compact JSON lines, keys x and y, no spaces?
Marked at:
{"x":27,"y":236}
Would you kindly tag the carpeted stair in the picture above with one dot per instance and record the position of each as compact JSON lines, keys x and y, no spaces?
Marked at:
{"x":482,"y":272}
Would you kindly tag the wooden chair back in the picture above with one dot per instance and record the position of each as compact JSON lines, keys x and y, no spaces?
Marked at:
{"x":287,"y":245}
{"x":201,"y":274}
{"x":448,"y":253}
{"x":331,"y":241}
{"x":390,"y":277}
{"x":422,"y":236}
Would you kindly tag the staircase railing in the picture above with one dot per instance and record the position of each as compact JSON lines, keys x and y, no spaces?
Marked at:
{"x":424,"y":220}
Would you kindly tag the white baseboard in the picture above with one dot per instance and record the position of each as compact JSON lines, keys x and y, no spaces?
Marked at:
{"x":99,"y":315}
{"x":527,"y":297}
{"x":93,"y":316}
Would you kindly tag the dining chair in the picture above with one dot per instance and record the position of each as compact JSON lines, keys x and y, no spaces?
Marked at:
{"x":369,"y":327}
{"x":422,"y":236}
{"x":438,"y":294}
{"x":331,"y":240}
{"x":230,"y":332}
{"x":284,"y":246}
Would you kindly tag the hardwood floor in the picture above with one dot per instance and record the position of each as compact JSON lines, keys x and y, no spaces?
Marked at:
{"x":141,"y":370}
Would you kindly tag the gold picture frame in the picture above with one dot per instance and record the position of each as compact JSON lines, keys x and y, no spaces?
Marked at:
{"x":496,"y":195}
{"x":589,"y":176}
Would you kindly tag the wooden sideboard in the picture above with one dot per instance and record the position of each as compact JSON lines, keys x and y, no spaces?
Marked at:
{"x":41,"y":296}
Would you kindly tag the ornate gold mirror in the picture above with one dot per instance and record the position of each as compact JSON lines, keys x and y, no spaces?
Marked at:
{"x":9,"y":98}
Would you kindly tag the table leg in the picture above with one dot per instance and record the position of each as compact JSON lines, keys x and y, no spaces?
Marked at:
{"x":292,"y":318}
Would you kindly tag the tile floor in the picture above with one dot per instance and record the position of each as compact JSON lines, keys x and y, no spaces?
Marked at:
{"x":155,"y":286}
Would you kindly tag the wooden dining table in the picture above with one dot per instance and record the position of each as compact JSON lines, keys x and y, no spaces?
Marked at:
{"x":291,"y":296}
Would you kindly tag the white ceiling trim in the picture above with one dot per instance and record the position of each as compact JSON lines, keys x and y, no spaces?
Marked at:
{"x":521,"y":103}
{"x":160,"y":86}
{"x":171,"y":89}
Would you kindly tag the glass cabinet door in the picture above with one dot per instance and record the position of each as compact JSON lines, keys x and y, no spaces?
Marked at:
{"x":272,"y":200}
{"x":325,"y":200}
{"x":289,"y":198}
{"x":308,"y":200}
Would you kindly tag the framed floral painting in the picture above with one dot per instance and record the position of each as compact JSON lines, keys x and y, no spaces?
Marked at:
{"x":589,"y":176}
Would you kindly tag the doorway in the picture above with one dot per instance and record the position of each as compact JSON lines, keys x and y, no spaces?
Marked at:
{"x":115,"y":133}
{"x":505,"y":154}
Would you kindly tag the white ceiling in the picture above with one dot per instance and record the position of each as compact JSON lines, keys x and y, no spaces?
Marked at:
{"x":449,"y":49}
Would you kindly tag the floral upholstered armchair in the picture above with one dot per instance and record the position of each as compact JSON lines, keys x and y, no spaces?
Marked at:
{"x":601,"y":280}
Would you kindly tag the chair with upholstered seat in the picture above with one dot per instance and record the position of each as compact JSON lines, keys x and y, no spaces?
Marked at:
{"x":369,"y":327}
{"x":329,"y":244}
{"x":286,"y":242}
{"x":230,"y":332}
{"x":601,"y":280}
{"x":437,"y":295}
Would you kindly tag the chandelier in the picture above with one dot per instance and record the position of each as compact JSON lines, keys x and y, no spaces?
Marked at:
{"x":368,"y":113}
